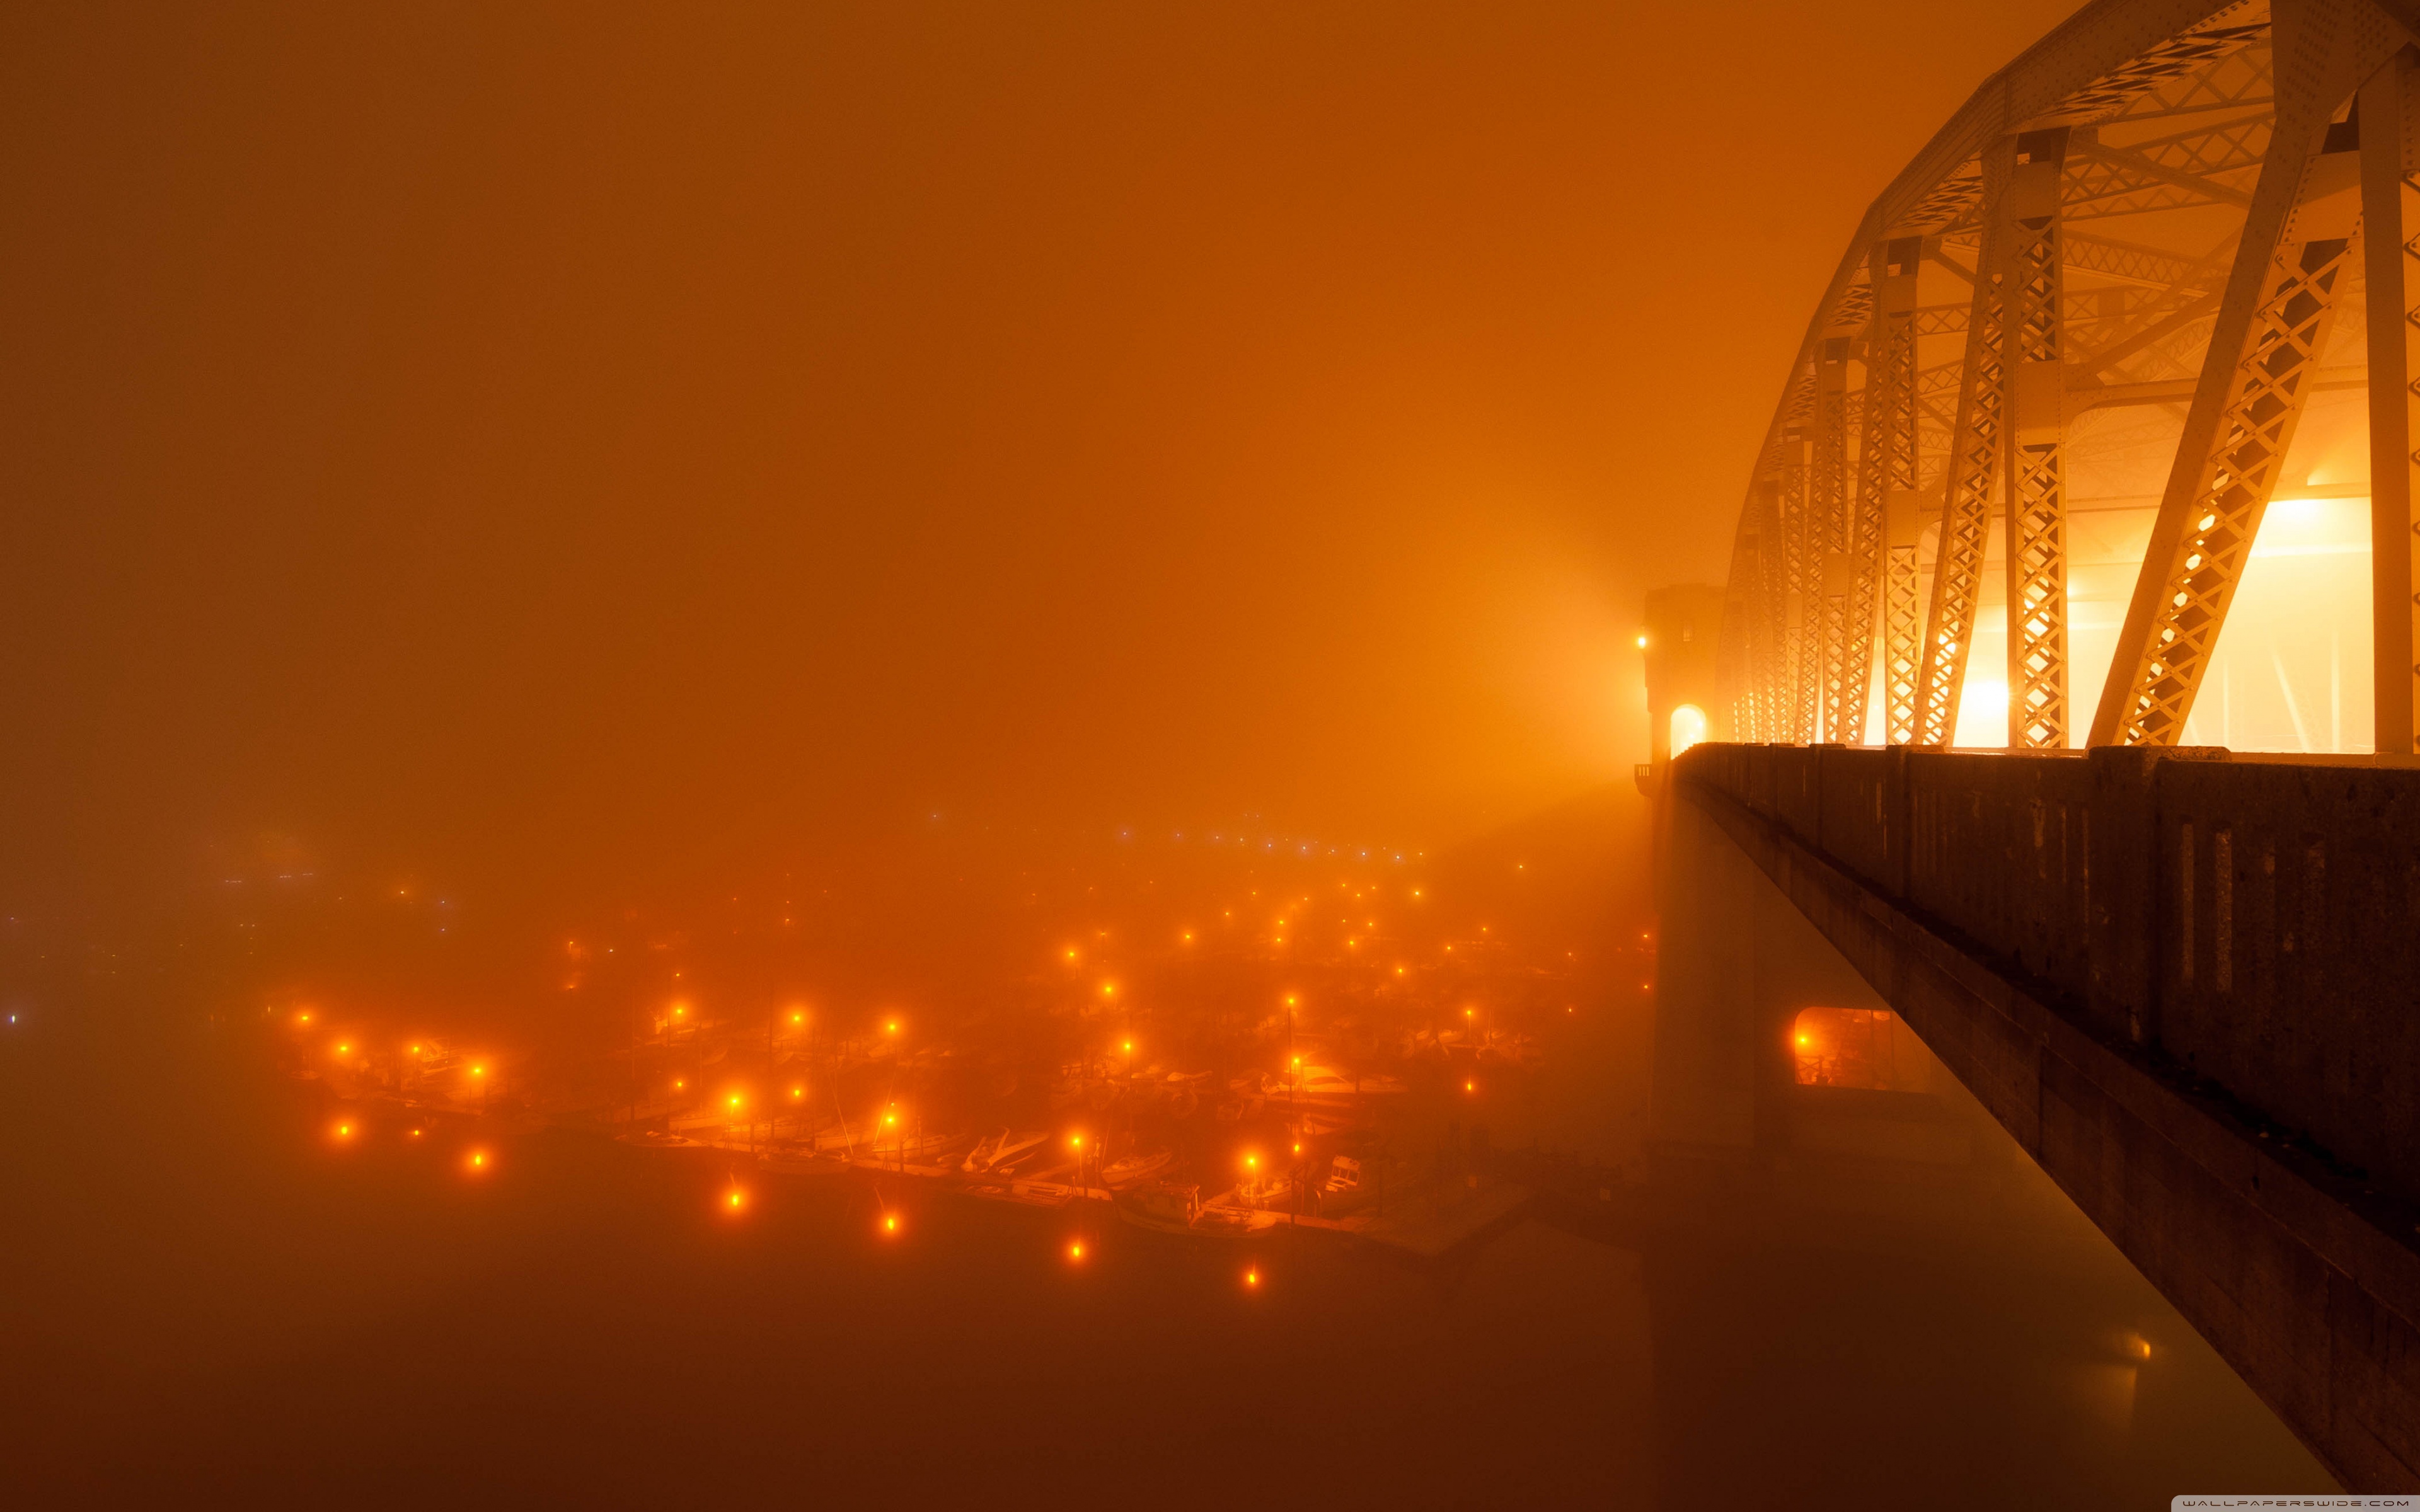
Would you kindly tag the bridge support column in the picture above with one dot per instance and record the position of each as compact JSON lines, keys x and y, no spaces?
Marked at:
{"x":1736,"y":963}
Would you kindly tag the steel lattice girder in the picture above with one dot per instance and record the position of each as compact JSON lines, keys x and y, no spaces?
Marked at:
{"x":1887,"y":468}
{"x":2281,"y":299}
{"x":1966,"y":492}
{"x":1827,"y":500}
{"x":2034,"y":431}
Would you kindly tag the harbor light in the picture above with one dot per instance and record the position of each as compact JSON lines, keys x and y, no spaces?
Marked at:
{"x":1471,"y":1087}
{"x":891,"y":1223}
{"x":736,"y":1200}
{"x":477,"y":1163}
{"x":1252,"y":1277}
{"x":1075,"y":1250}
{"x":344,"y":1131}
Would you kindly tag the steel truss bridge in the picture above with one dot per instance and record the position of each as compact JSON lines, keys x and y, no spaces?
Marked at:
{"x":2122,"y":271}
{"x":2162,"y":267}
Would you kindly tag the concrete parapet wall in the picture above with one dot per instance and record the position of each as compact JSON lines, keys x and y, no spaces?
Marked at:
{"x":2256,"y":923}
{"x":2303,"y":1274}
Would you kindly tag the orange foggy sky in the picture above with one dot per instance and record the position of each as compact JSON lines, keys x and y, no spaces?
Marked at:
{"x":564,"y":440}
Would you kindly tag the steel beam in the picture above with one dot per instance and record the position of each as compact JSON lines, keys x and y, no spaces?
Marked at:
{"x":1886,"y":474}
{"x":1974,"y":464}
{"x":2272,"y":325}
{"x":2034,"y":485}
{"x":2390,"y":210}
{"x":1827,"y":498}
{"x":1798,"y":601}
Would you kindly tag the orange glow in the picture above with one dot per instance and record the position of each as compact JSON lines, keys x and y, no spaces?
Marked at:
{"x":478,"y":1161}
{"x":1071,"y":952}
{"x":1252,"y":1162}
{"x":1471,"y":1087}
{"x":679,"y":1083}
{"x":1688,"y":726}
{"x":891,"y":1223}
{"x":344,"y":1050}
{"x":1109,"y":989}
{"x":1130,"y":1047}
{"x":344,"y":1131}
{"x":1252,"y":1276}
{"x":1077,"y":1140}
{"x":1075,"y":1250}
{"x":1850,"y":1047}
{"x":891,"y":1027}
{"x":1297,"y":1146}
{"x":736,"y":1200}
{"x":798,"y":1093}
{"x":415,"y":1050}
{"x":415,"y":1134}
{"x":797,"y":1018}
{"x":478,"y":1070}
{"x":303,"y":1018}
{"x":734,"y":1100}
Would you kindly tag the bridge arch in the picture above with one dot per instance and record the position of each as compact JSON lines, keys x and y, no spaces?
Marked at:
{"x":2017,"y":489}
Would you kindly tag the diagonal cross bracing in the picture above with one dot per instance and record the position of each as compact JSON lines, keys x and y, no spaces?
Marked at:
{"x":1967,"y":491}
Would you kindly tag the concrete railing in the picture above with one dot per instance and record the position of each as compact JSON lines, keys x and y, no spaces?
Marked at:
{"x":2253,"y":921}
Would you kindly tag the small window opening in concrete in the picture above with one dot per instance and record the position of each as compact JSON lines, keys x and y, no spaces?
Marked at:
{"x":1853,"y":1047}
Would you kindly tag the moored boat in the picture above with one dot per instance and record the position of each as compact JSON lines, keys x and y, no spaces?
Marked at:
{"x":1003,"y":1151}
{"x":1128,"y":1169}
